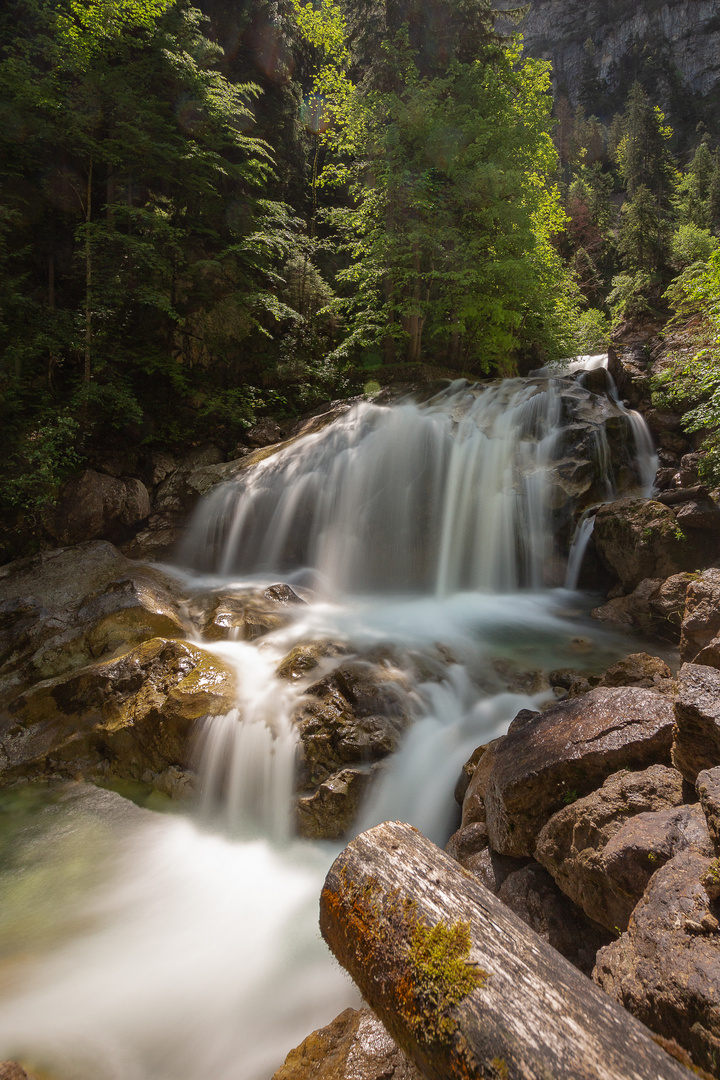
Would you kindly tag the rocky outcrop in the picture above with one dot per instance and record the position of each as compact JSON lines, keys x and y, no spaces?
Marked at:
{"x":63,"y":609}
{"x":641,"y":538}
{"x":547,"y":759}
{"x":700,"y":631}
{"x":688,"y":29}
{"x":351,"y":720}
{"x":696,"y":743}
{"x":656,"y":607}
{"x":129,"y":717}
{"x":602,"y":849}
{"x":665,"y":969}
{"x":355,"y":1045}
{"x":95,"y":505}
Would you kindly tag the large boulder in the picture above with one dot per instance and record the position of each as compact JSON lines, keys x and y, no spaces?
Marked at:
{"x":655,"y":607}
{"x":602,"y":849}
{"x":700,"y":633}
{"x":350,"y":720}
{"x":666,"y":968}
{"x":244,"y":616}
{"x":696,"y":743}
{"x":96,"y":505}
{"x":548,"y":759}
{"x":64,"y":608}
{"x":355,"y":1046}
{"x":129,"y":717}
{"x":641,"y":538}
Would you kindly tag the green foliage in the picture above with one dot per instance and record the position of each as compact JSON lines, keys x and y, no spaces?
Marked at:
{"x":46,"y":456}
{"x":591,"y":332}
{"x":691,"y":244}
{"x":630,"y":295}
{"x":693,"y":385}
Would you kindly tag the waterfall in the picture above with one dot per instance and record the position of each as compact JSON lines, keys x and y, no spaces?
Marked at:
{"x":434,"y":532}
{"x":463,"y":492}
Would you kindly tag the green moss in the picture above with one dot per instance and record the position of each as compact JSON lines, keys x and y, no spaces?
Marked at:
{"x":441,"y":975}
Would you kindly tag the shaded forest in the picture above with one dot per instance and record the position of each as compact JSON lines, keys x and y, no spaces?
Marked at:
{"x":218,"y":213}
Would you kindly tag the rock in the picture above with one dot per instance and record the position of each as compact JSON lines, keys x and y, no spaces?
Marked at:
{"x":333,"y":807}
{"x":118,"y":718}
{"x":349,"y":720}
{"x":696,"y":742}
{"x":603,"y":849}
{"x":282,"y":594}
{"x":473,"y":805}
{"x":701,"y":620}
{"x":655,"y":607}
{"x":701,"y":514}
{"x":637,"y":669}
{"x":708,"y":789}
{"x":244,"y":616}
{"x":666,"y":968}
{"x":533,"y":895}
{"x":355,"y":1046}
{"x":492,"y":869}
{"x":641,"y":538}
{"x":264,"y":433}
{"x":94,"y":603}
{"x":573,"y":682}
{"x":566,"y":752}
{"x":96,"y":505}
{"x":307,"y":657}
{"x":469,"y":840}
{"x":10,"y":1070}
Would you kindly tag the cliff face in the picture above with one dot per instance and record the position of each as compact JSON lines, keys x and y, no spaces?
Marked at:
{"x":685,"y":32}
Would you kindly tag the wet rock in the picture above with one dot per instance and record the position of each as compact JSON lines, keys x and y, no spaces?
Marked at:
{"x":666,"y":968}
{"x":533,"y":895}
{"x":96,"y":505}
{"x":701,"y":619}
{"x":243,"y":617}
{"x":573,"y":682}
{"x":119,"y":718}
{"x":330,"y":811}
{"x":473,"y":805}
{"x":708,"y":789}
{"x":282,"y":594}
{"x":696,"y":742}
{"x":466,"y":774}
{"x":307,"y":657}
{"x":566,"y":752}
{"x":641,"y":538}
{"x":11,"y":1070}
{"x":350,"y":720}
{"x":64,"y":608}
{"x":355,"y":1046}
{"x":602,"y":849}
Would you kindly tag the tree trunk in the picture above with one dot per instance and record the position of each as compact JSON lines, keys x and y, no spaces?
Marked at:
{"x":461,"y":983}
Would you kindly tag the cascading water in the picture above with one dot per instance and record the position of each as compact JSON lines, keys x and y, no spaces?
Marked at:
{"x":193,"y":948}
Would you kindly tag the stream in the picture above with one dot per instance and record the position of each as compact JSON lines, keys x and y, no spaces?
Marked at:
{"x":178,"y":946}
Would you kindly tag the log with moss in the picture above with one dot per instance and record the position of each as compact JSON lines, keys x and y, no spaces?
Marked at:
{"x":461,"y":983}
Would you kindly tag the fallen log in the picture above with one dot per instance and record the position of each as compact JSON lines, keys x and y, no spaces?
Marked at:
{"x":461,"y":983}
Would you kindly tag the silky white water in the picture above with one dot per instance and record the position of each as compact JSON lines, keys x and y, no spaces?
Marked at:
{"x":182,"y":947}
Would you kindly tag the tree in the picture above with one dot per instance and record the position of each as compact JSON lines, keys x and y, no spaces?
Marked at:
{"x":447,"y":159}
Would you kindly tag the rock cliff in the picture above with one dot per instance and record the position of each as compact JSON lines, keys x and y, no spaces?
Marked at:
{"x":684,"y":32}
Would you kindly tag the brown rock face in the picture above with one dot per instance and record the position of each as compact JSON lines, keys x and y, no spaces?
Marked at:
{"x":352,"y":719}
{"x":637,"y":669}
{"x":708,"y":788}
{"x":655,"y":607}
{"x":473,"y":806}
{"x":94,"y":505}
{"x":118,"y":718}
{"x":666,"y":968}
{"x":355,"y":1046}
{"x":701,"y":620}
{"x":696,"y":744}
{"x":603,"y":849}
{"x":641,"y":538}
{"x":549,"y":758}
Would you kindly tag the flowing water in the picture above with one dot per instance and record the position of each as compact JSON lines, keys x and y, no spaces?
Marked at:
{"x":155,"y":947}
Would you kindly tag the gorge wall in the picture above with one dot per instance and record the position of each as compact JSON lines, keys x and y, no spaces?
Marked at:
{"x":688,"y":31}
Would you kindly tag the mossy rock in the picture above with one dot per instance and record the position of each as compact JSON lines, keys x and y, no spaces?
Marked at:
{"x":306,"y":657}
{"x":122,"y":717}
